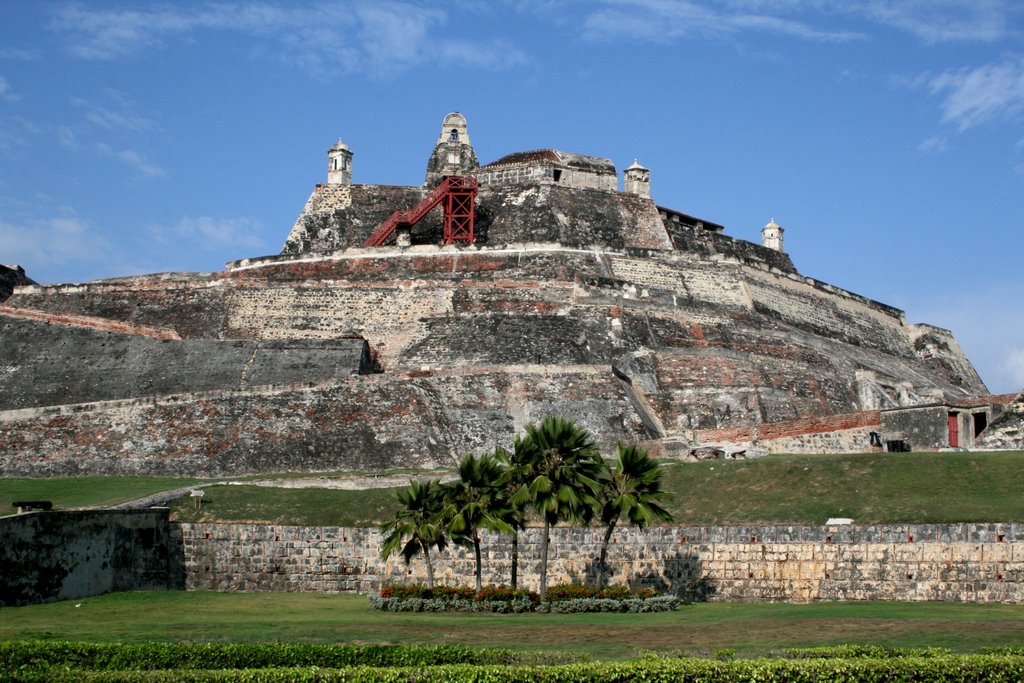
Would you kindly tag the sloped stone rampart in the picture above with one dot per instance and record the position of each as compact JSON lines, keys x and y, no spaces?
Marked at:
{"x":57,"y":359}
{"x":957,"y":563}
{"x":730,"y":341}
{"x":422,"y":419}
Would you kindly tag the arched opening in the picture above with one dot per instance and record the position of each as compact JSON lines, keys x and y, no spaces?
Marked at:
{"x":454,"y":137}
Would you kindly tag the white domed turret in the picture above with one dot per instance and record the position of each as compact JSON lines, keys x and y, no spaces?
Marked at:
{"x":339,"y":164}
{"x":637,"y":180}
{"x":771,"y":235}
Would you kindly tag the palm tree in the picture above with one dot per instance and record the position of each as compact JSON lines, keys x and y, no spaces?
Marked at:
{"x":420,"y":524}
{"x":563,"y":466}
{"x":477,"y":501}
{"x":630,"y":487}
{"x":516,"y":468}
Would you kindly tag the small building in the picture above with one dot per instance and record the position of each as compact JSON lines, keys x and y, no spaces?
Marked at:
{"x":933,"y":426}
{"x":551,"y":166}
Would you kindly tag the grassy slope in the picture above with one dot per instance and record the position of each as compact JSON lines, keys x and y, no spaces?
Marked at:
{"x":872,"y":488}
{"x":697,"y":629}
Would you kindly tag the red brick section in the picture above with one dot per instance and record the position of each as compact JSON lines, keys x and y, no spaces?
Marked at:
{"x":787,"y":428}
{"x":161,"y":333}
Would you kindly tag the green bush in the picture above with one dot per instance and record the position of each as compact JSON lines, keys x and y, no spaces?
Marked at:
{"x":575,"y":591}
{"x":487,"y":594}
{"x":863,"y":651}
{"x":147,"y":656}
{"x":947,"y":669}
{"x":562,"y":599}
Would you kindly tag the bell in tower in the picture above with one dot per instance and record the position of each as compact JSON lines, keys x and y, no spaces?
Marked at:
{"x":453,"y":154}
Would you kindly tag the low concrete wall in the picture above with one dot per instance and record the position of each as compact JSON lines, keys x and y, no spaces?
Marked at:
{"x":48,"y":556}
{"x":962,"y":562}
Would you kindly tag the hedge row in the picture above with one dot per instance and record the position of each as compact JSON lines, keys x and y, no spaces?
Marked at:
{"x":560,"y":599}
{"x":152,"y":655}
{"x":662,"y":603}
{"x":945,"y":669}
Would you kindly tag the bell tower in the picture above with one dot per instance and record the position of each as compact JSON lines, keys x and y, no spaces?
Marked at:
{"x":771,"y":235}
{"x":339,"y":164}
{"x":637,"y":180}
{"x":453,"y":153}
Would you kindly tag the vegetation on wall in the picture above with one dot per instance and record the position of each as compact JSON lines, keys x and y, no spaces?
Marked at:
{"x":555,"y":471}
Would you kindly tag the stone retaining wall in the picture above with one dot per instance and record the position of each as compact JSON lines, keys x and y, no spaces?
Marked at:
{"x":47,"y":556}
{"x":961,"y":562}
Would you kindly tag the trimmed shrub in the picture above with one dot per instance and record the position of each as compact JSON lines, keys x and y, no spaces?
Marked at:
{"x":562,"y":599}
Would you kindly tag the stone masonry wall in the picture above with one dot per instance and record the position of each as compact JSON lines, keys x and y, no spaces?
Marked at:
{"x":959,"y":563}
{"x":47,"y":556}
{"x":826,"y":434}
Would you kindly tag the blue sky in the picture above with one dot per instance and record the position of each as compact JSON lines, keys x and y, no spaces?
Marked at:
{"x":886,"y":137}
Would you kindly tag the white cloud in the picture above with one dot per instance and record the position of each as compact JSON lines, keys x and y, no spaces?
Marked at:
{"x":18,"y":54}
{"x":1013,"y":366}
{"x":977,"y":95}
{"x":56,"y":240}
{"x":67,"y":137}
{"x":117,"y":114}
{"x":131,"y":158}
{"x":937,"y":143}
{"x":379,"y":38}
{"x":664,"y":21}
{"x":211,"y":233}
{"x":939,"y":21}
{"x":5,"y":91}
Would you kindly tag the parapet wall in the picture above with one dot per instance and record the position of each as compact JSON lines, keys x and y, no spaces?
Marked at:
{"x":958,"y":563}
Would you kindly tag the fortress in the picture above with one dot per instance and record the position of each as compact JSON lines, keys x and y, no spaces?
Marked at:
{"x":531,"y":286}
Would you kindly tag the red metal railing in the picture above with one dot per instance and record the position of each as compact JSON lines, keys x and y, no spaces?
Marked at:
{"x":459,"y":196}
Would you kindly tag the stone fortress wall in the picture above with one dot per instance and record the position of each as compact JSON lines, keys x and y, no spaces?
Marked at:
{"x":636,"y":321}
{"x":706,"y":344}
{"x":959,"y":563}
{"x":68,"y":555}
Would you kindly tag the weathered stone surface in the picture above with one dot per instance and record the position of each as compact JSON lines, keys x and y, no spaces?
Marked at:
{"x":726,"y":345}
{"x":49,"y":556}
{"x":51,"y":363}
{"x":62,"y":555}
{"x":11,"y":277}
{"x":637,"y":320}
{"x":1007,"y":430}
{"x":955,"y":563}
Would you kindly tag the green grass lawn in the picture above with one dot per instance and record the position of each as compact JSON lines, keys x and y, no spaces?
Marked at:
{"x":74,"y":492}
{"x":344,"y":619}
{"x":790,"y":489}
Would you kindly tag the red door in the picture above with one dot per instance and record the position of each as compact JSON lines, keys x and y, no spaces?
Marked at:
{"x":954,"y":430}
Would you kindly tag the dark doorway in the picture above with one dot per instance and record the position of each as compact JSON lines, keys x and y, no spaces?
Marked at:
{"x":980,"y":422}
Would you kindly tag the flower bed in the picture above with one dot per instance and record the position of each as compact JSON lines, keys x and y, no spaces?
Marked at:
{"x":561,"y":599}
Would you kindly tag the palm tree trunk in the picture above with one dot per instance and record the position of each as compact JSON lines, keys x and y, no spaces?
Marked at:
{"x":602,"y":564}
{"x":479,"y":564}
{"x":515,"y":559}
{"x":430,"y":567}
{"x":544,"y":559}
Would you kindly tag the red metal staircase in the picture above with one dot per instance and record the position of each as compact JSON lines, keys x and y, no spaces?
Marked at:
{"x":459,"y":196}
